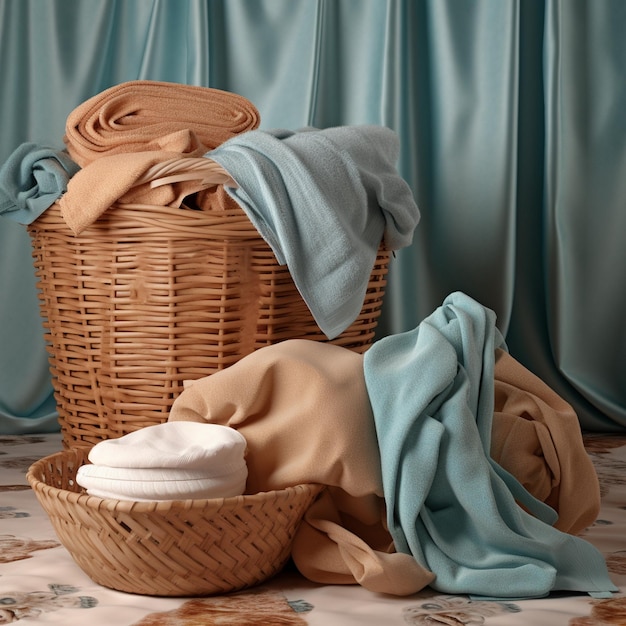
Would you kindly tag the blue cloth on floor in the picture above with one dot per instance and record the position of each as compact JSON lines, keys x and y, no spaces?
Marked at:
{"x":323,"y":200}
{"x":32,"y":179}
{"x":449,"y":504}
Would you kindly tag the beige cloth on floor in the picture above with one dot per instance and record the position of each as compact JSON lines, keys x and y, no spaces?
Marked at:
{"x":304,"y":411}
{"x":117,"y":178}
{"x":536,"y":436}
{"x":126,"y":117}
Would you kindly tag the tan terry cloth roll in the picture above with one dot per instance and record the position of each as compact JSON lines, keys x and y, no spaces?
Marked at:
{"x":536,"y":436}
{"x":304,"y":411}
{"x":125,"y":117}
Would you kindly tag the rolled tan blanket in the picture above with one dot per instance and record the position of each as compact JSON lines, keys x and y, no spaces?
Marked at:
{"x":536,"y":437}
{"x":126,"y":117}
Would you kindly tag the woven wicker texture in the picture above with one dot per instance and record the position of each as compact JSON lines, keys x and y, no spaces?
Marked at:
{"x":150,"y":296}
{"x":174,"y":548}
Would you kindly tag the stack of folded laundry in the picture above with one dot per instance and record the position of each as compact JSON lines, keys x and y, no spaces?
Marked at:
{"x":171,"y":461}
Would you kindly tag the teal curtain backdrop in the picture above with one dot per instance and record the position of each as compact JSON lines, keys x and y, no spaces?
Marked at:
{"x":512,"y":119}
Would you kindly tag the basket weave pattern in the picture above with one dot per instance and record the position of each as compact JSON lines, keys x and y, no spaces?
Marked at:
{"x":172,"y":548}
{"x":150,"y":296}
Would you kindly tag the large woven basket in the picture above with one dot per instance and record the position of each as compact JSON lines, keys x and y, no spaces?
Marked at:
{"x":150,"y":296}
{"x":173,"y":548}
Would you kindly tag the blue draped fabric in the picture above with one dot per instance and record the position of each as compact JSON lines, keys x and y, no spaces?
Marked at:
{"x":513,"y":140}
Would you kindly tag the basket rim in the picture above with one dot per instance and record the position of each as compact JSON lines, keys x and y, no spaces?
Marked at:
{"x":232,"y":220}
{"x":153,"y":506}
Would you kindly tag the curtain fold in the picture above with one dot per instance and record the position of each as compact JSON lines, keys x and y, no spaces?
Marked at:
{"x":512,"y":127}
{"x":465,"y":170}
{"x":585,"y":203}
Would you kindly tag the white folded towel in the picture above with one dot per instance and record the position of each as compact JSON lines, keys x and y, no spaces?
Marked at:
{"x":165,"y":484}
{"x":170,"y":461}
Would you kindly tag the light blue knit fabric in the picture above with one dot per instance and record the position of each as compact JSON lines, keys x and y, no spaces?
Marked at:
{"x":31,"y":179}
{"x":449,"y":504}
{"x":323,"y":200}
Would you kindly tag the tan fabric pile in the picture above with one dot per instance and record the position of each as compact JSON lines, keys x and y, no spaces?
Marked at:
{"x":536,"y":436}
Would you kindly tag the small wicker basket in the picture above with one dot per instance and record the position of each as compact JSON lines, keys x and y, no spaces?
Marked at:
{"x":150,"y":296}
{"x":172,"y":548}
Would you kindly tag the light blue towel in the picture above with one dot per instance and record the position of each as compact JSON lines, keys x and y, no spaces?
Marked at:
{"x":449,"y":504}
{"x":323,"y":200}
{"x":31,"y":179}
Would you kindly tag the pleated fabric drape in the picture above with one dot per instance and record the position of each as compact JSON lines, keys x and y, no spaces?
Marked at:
{"x":512,"y":121}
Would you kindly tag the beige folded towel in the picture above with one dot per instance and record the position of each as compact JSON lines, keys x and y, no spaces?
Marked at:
{"x":126,"y":117}
{"x":170,"y":169}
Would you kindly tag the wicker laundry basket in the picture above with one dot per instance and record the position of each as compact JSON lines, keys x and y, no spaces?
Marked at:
{"x":172,"y":548}
{"x":150,"y":296}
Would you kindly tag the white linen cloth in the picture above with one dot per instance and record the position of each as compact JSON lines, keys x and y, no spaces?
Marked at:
{"x":170,"y":461}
